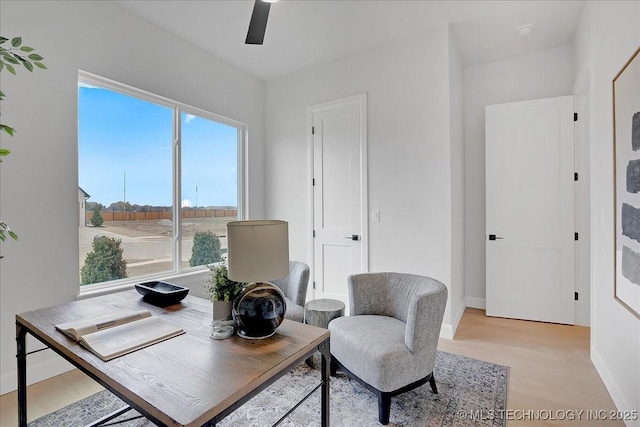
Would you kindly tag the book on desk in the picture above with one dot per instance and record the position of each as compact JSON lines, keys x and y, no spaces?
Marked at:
{"x":120,"y":332}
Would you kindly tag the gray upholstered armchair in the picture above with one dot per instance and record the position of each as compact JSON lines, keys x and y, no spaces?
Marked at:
{"x":388,"y":342}
{"x":294,"y":287}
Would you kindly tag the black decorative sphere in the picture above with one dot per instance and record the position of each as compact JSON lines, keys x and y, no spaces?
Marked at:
{"x":259,"y":310}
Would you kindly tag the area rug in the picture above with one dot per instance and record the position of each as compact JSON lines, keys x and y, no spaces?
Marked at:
{"x":471,"y":392}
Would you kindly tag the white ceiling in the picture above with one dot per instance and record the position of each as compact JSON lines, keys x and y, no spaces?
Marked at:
{"x":302,"y":33}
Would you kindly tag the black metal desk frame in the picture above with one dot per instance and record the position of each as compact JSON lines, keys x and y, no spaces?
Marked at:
{"x":21,"y":334}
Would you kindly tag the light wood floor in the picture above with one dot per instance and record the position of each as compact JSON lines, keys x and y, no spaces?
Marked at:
{"x":550,"y":371}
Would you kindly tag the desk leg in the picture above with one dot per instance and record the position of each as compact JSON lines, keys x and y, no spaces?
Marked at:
{"x":21,"y":338}
{"x":326,"y":361}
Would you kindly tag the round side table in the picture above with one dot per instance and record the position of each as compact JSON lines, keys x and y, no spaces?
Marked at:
{"x":320,"y":312}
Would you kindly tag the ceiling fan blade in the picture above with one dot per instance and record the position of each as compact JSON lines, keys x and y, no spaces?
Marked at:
{"x":258,"y":24}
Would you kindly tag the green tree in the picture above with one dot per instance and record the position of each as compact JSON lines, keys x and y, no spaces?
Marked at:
{"x":92,"y":205}
{"x":96,"y":218}
{"x":104,"y":262}
{"x":206,"y":249}
{"x":120,"y":206}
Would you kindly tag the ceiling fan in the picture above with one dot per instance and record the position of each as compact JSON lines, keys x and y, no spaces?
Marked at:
{"x":258,"y":23}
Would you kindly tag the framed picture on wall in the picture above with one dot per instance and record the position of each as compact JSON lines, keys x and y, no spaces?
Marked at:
{"x":626,"y":152}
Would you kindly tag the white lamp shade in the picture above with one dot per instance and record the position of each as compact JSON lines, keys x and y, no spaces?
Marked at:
{"x":258,"y":250}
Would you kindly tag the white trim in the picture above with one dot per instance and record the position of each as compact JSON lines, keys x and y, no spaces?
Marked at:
{"x":176,"y":158}
{"x":446,"y":331}
{"x":475,"y":302}
{"x":178,"y":108}
{"x":582,"y":190}
{"x":361,"y":100}
{"x":364,"y":180}
{"x":310,"y":217}
{"x":193,"y":276}
{"x":243,"y":173}
{"x":457,"y":317}
{"x":103,"y":82}
{"x":612,"y":387}
{"x":104,"y":288}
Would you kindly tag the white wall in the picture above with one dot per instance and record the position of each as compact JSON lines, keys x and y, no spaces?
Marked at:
{"x":608,"y":33}
{"x":456,"y":124}
{"x":409,"y":151}
{"x":540,"y":75}
{"x":41,"y":174}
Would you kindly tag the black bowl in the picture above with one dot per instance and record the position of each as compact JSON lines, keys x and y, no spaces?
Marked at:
{"x":259,"y":310}
{"x":161,"y":293}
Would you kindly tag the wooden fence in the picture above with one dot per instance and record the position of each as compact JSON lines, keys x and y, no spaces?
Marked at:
{"x":157,"y":216}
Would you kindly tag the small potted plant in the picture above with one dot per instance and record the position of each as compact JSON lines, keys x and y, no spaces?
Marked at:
{"x":222,"y":291}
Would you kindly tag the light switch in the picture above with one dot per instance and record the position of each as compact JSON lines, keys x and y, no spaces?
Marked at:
{"x":375,"y":216}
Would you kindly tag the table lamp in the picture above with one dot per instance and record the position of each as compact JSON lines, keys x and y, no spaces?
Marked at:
{"x":258,"y":251}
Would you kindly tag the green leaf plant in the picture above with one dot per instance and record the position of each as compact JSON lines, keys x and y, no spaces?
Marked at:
{"x":219,"y":287}
{"x":13,"y":54}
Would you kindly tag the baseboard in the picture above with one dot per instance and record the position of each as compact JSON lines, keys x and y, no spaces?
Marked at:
{"x":446,"y":331}
{"x":475,"y":302}
{"x":36,"y":372}
{"x":612,"y":387}
{"x":457,"y":317}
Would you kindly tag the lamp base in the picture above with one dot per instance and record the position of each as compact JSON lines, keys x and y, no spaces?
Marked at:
{"x":241,"y":333}
{"x":259,"y":310}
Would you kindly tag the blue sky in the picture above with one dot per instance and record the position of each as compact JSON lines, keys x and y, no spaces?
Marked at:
{"x":119,"y":134}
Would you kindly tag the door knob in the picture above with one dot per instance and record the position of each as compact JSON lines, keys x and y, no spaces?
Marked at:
{"x":353,"y":237}
{"x":494,"y":237}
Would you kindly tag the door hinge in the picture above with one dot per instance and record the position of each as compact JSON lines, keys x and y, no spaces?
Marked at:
{"x":314,"y":284}
{"x":313,"y":182}
{"x":575,"y":117}
{"x":575,"y":176}
{"x":313,"y":130}
{"x":575,"y":295}
{"x":575,"y":236}
{"x":314,"y":233}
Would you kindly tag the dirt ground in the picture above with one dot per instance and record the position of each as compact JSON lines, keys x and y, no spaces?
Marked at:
{"x":163,"y":228}
{"x":147,"y":244}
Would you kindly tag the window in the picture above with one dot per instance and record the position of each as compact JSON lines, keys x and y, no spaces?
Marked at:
{"x":159,"y":179}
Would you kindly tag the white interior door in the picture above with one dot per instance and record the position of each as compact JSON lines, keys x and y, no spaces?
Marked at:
{"x":339,"y":195}
{"x":529,"y":210}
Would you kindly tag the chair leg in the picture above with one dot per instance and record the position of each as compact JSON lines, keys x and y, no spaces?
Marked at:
{"x":384,"y":408}
{"x":432,"y":382}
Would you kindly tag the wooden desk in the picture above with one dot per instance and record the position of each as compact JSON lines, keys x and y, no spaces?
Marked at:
{"x":189,"y":380}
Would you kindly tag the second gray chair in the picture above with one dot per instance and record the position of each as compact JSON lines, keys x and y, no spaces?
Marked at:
{"x":294,"y":286}
{"x":389,"y":341}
